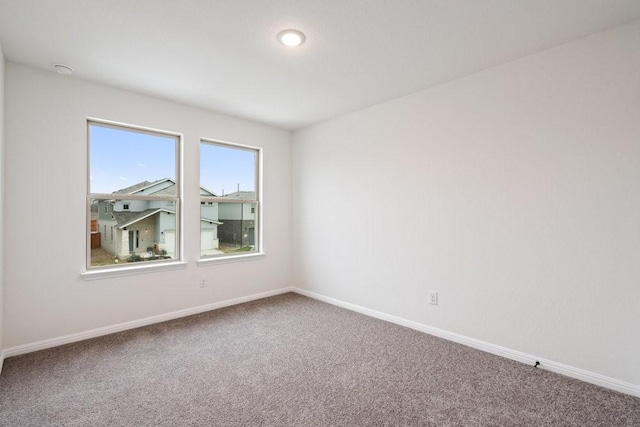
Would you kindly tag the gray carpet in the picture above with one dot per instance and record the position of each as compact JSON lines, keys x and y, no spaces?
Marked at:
{"x":291,"y":361}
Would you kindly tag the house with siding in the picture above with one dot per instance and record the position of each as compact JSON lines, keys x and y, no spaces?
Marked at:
{"x":144,"y":227}
{"x":238,"y":219}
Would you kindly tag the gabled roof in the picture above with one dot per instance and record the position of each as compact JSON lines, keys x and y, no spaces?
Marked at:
{"x":142,"y":186}
{"x":127,"y":218}
{"x":204,"y":190}
{"x":133,"y":188}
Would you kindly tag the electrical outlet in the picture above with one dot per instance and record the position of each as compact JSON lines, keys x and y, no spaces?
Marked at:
{"x":433,"y":298}
{"x":203,"y":282}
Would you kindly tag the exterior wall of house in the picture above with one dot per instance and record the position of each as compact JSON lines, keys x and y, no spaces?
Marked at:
{"x":238,"y":226}
{"x":228,"y":211}
{"x":236,"y":232}
{"x":133,"y":205}
{"x":167,"y":221}
{"x":208,"y":236}
{"x":210,"y":211}
{"x":161,"y":204}
{"x":147,"y":232}
{"x":209,"y":230}
{"x":122,"y":243}
{"x":105,"y":208}
{"x":108,"y":240}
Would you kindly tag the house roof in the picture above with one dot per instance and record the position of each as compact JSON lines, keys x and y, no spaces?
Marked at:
{"x":136,"y":188}
{"x":204,"y":190}
{"x":127,"y":218}
{"x":133,"y":188}
{"x":169,"y":191}
{"x":241,"y":195}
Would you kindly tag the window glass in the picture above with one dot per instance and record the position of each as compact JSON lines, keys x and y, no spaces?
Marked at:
{"x":228,"y":199}
{"x":122,"y":159}
{"x":132,"y":190}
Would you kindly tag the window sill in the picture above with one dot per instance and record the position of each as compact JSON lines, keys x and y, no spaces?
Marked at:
{"x":204,"y":262}
{"x":107,"y":273}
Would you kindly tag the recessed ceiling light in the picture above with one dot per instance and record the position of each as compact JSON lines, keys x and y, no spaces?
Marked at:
{"x":291,"y":38}
{"x":63,"y":69}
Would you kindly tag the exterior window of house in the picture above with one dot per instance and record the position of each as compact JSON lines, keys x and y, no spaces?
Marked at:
{"x":133,"y":188}
{"x":229,"y":199}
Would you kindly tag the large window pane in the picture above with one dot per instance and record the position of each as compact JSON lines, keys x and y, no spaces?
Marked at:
{"x":133,"y":196}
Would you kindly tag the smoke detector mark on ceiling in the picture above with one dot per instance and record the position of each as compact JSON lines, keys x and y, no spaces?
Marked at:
{"x":63,"y":69}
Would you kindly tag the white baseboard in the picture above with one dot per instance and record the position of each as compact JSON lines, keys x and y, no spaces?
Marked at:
{"x":583,"y":375}
{"x":570,"y":371}
{"x":93,"y":333}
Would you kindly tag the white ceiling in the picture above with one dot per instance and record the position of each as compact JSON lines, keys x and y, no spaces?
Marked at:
{"x":223,"y":54}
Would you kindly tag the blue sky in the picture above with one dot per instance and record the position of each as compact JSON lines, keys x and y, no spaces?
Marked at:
{"x":122,"y":158}
{"x":222,"y":169}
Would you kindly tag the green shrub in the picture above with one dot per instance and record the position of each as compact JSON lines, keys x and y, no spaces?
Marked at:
{"x":134,"y":258}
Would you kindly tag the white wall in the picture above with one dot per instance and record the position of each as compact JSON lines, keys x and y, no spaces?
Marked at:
{"x":46,"y":170}
{"x":513,"y":192}
{"x":2,"y":125}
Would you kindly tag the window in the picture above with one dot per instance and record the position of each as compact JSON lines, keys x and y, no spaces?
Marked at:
{"x":229,"y":199}
{"x":133,"y":188}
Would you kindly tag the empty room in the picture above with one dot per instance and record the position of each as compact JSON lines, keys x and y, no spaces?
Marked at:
{"x":320,"y":213}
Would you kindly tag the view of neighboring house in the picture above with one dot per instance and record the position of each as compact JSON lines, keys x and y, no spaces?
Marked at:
{"x":149,"y":226}
{"x":238,"y":219}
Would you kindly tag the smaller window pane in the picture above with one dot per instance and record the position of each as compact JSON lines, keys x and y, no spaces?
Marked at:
{"x":147,"y":234}
{"x":227,"y":171}
{"x":237,"y":231}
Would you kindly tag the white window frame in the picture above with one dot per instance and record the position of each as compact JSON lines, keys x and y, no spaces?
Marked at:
{"x":96,"y":272}
{"x":258,"y":251}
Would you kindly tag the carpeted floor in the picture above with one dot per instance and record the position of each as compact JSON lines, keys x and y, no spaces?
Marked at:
{"x":291,"y":361}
